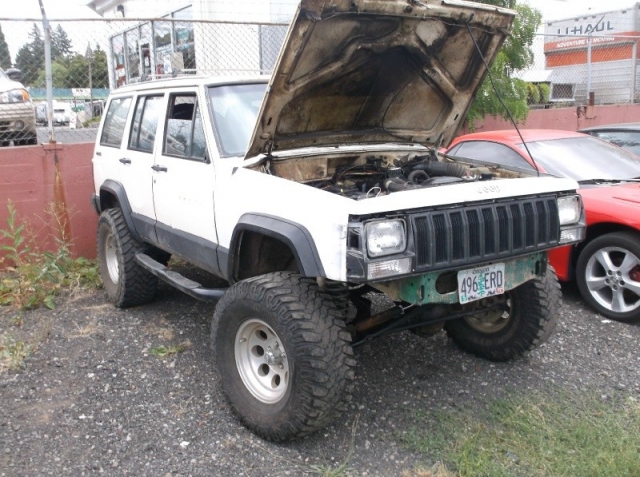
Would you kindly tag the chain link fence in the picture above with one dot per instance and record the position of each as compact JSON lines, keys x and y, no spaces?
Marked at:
{"x":92,"y":57}
{"x":569,"y":67}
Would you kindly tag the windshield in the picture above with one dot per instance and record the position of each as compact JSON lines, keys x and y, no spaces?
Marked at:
{"x":3,"y":74}
{"x":584,"y":158}
{"x":235,"y":109}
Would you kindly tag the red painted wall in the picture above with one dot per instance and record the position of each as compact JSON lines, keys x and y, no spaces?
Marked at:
{"x":36,"y":179}
{"x":567,"y":118}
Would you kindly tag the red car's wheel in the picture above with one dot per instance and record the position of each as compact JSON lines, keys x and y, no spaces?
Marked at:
{"x":608,"y":275}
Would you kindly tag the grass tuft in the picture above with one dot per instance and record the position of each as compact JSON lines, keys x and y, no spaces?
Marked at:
{"x":13,"y":352}
{"x":165,"y":352}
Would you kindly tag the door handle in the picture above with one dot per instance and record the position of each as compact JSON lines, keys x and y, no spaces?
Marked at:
{"x":158,"y":168}
{"x":124,"y":160}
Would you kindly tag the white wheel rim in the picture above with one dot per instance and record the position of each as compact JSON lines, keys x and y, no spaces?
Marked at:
{"x":111,"y":258}
{"x":261,"y":361}
{"x":612,"y":276}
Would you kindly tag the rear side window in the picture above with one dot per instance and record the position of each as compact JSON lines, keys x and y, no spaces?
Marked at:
{"x":185,"y":133}
{"x":145,"y":123}
{"x":630,"y":140}
{"x":115,"y":122}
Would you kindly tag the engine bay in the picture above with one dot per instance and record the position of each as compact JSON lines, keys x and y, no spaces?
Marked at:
{"x":366,"y":176}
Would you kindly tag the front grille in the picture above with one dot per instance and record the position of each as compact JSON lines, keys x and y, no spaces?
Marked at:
{"x":4,"y":125}
{"x":467,"y":235}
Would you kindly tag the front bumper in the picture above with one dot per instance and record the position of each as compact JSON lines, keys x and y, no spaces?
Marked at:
{"x":442,"y":287}
{"x":463,"y":236}
{"x":17,"y":121}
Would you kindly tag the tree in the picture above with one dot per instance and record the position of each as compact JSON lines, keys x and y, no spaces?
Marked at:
{"x":99,"y":69}
{"x":5,"y":56}
{"x":78,"y":76}
{"x":60,"y":43}
{"x":59,"y":74}
{"x":516,"y":54}
{"x":30,"y":57}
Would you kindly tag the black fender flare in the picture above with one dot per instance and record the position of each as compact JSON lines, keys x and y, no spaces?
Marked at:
{"x":117,"y":189}
{"x":294,"y":235}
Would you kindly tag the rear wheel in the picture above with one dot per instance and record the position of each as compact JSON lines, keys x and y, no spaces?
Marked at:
{"x":608,"y":275}
{"x":283,"y":355}
{"x":511,"y":324}
{"x":125,"y":281}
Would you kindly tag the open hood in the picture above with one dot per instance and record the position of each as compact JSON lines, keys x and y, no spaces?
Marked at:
{"x":377,"y":71}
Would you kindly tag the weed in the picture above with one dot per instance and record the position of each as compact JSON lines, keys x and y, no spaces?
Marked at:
{"x":34,"y":278}
{"x":13,"y":352}
{"x":164,"y":352}
{"x":88,"y":330}
{"x":438,"y":470}
{"x":342,"y":469}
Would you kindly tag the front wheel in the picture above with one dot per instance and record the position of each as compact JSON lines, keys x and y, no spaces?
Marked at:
{"x":512,"y":324}
{"x":283,"y":355}
{"x":608,"y":275}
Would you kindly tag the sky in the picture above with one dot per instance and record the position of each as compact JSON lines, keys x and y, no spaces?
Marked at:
{"x":16,"y":33}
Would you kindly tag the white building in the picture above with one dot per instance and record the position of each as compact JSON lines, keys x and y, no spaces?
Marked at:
{"x":595,"y":53}
{"x":204,"y":36}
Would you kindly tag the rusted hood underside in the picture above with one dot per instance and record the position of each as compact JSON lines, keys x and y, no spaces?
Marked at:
{"x":377,"y":71}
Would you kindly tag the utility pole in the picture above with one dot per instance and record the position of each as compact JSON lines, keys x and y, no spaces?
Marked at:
{"x":47,"y":69}
{"x":89,"y":55}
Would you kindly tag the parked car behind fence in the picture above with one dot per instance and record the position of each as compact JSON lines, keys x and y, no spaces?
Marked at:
{"x":17,"y":116}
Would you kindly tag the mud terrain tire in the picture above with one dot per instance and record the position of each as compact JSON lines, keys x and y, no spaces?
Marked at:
{"x":283,"y":355}
{"x":531,"y":318}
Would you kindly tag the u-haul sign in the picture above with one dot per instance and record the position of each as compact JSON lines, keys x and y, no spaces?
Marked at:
{"x":603,"y":28}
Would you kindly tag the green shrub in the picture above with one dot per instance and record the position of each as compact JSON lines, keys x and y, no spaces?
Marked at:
{"x":33,"y":278}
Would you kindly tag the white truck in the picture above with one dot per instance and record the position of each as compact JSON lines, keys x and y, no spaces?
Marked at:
{"x":314,"y":190}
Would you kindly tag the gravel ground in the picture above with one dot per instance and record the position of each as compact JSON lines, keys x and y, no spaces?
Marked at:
{"x":92,"y":399}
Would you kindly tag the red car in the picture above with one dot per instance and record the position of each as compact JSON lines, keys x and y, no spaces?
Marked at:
{"x":606,"y":265}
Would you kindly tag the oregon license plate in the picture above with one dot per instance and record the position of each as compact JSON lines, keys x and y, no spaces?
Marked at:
{"x":478,"y":283}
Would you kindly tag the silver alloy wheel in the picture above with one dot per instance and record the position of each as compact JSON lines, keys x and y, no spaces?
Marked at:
{"x":111,"y":258}
{"x":491,"y":321}
{"x":261,"y":361}
{"x":612,"y":275}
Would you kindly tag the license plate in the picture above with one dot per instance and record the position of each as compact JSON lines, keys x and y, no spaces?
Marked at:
{"x":478,"y":283}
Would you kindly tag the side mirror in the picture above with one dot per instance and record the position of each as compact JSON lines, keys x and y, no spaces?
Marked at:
{"x":14,"y":73}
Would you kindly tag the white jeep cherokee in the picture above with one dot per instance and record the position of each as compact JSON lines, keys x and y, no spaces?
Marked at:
{"x":315,"y":191}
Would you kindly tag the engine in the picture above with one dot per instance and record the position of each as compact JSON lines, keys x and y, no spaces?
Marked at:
{"x":377,"y":175}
